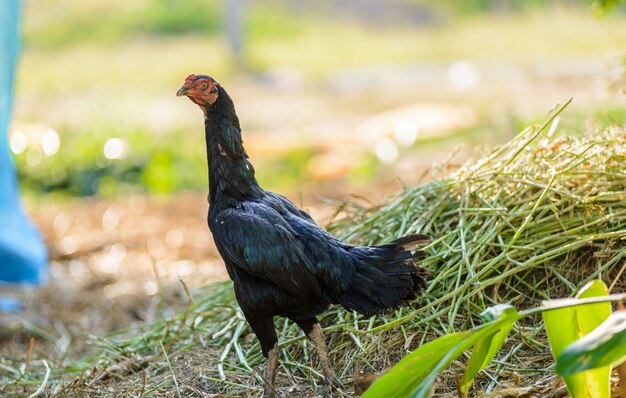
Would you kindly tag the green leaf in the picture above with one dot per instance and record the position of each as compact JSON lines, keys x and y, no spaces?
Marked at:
{"x":590,"y":316}
{"x":603,"y":347}
{"x":566,"y":325}
{"x":507,"y":316}
{"x":400,"y":380}
{"x":488,"y":346}
{"x":416,"y":373}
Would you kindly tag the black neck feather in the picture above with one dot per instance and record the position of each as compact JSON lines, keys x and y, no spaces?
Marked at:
{"x":231,"y":175}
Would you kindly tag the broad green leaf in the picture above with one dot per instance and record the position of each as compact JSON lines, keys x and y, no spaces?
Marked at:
{"x":487,"y":347}
{"x":566,"y":325}
{"x":604,"y":346}
{"x":400,"y":380}
{"x":590,"y":316}
{"x":507,"y":315}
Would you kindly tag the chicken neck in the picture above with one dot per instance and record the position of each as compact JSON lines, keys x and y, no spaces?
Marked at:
{"x":231,"y":175}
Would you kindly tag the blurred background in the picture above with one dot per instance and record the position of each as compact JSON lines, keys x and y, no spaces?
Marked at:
{"x":338,"y":99}
{"x":333,"y":95}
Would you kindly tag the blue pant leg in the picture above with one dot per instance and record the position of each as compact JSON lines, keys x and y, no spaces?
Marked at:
{"x":23,"y":256}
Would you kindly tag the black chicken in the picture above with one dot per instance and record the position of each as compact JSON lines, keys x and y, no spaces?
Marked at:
{"x":280,"y":261}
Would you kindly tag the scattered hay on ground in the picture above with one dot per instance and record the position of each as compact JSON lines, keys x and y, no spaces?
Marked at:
{"x":535,"y":219}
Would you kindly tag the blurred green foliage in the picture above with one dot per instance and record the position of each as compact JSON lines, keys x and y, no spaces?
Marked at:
{"x":181,"y":16}
{"x":105,"y":22}
{"x":89,"y":46}
{"x":80,"y":167}
{"x":151,"y":164}
{"x":111,"y":22}
{"x":599,"y":7}
{"x":167,"y":164}
{"x":266,"y":22}
{"x":471,"y":7}
{"x":287,"y":170}
{"x":481,"y":6}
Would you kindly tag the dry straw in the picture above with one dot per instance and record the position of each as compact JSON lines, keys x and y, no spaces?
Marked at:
{"x":534,"y":219}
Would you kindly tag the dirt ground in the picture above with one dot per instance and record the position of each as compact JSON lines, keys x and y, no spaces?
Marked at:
{"x":118,"y":258}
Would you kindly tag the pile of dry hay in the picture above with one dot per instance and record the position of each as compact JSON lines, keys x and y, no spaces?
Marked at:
{"x":534,"y":219}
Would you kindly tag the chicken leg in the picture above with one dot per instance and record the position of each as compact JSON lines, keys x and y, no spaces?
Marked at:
{"x":263,"y":327}
{"x":270,"y":372}
{"x":313,"y":331}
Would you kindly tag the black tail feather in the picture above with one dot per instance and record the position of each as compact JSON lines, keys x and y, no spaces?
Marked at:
{"x":412,"y":242}
{"x":389,"y":278}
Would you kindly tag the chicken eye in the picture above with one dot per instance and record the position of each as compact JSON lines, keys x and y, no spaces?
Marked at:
{"x":204,"y":85}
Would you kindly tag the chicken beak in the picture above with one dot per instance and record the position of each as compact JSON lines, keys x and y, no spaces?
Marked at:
{"x":181,"y":91}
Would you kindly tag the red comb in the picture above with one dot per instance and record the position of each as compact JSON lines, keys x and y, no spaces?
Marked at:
{"x":190,"y":78}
